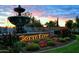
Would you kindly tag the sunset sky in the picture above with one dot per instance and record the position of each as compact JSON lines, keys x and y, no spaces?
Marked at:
{"x":43,"y":12}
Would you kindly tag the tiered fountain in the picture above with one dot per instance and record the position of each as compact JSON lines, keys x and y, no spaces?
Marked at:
{"x":19,"y":20}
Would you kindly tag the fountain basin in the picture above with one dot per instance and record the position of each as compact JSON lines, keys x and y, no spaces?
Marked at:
{"x":19,"y":20}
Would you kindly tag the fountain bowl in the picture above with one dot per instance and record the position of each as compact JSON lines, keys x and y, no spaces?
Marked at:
{"x":19,"y":20}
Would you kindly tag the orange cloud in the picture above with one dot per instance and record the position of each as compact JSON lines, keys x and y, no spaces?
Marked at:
{"x":51,"y":18}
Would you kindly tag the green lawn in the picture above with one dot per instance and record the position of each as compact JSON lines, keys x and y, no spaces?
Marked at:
{"x":72,"y":48}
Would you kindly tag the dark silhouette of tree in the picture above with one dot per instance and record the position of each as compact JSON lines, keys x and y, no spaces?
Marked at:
{"x":69,"y":24}
{"x":57,"y":22}
{"x":35,"y":23}
{"x":74,"y":25}
{"x":77,"y":22}
{"x":33,"y":19}
{"x":51,"y":24}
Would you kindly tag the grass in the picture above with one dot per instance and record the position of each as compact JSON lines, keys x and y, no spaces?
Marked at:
{"x":72,"y":48}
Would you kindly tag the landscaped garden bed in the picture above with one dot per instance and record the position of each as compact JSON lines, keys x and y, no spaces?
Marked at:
{"x":47,"y":43}
{"x":37,"y":45}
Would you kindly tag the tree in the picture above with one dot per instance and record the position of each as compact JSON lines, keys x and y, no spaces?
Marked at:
{"x":35,"y":23}
{"x":69,"y":24}
{"x":50,"y":24}
{"x":74,"y":25}
{"x":77,"y":21}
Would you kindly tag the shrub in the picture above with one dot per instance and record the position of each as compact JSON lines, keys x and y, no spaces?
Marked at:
{"x":67,"y":38}
{"x":18,"y":46}
{"x":62,"y":40}
{"x":43,"y":43}
{"x":50,"y":43}
{"x":36,"y":41}
{"x":73,"y":37}
{"x":33,"y":47}
{"x":48,"y":39}
{"x":56,"y":39}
